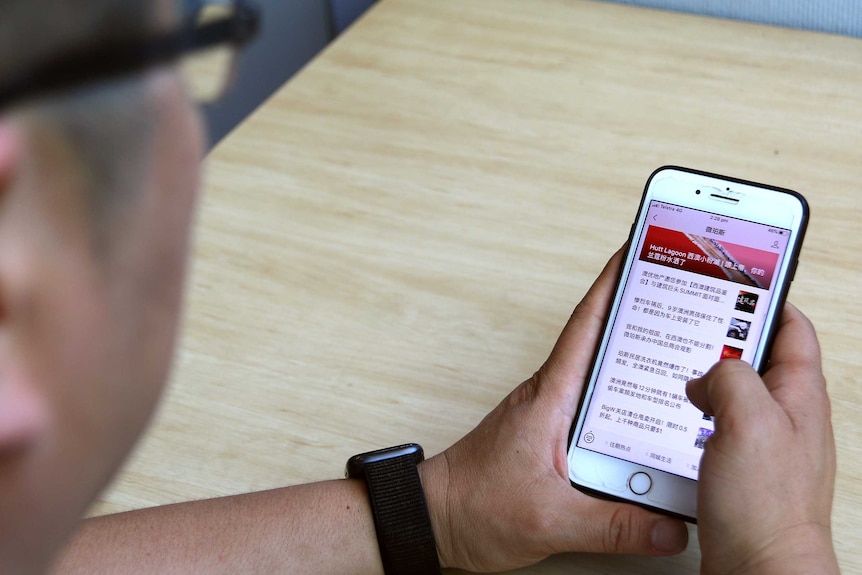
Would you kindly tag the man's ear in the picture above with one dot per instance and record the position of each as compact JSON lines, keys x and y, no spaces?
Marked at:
{"x":23,"y":409}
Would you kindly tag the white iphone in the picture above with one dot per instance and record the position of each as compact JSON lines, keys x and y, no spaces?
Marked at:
{"x":707,"y":269}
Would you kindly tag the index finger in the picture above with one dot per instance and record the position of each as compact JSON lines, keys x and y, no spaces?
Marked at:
{"x":794,"y":376}
{"x":796,"y":342}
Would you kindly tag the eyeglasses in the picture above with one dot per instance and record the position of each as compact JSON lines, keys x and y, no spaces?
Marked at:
{"x":208,"y":40}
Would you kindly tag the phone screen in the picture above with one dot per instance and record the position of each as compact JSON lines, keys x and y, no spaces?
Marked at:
{"x":698,"y":292}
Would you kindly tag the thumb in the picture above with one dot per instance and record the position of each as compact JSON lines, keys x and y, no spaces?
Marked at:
{"x":606,"y":527}
{"x":731,"y":391}
{"x":570,"y":359}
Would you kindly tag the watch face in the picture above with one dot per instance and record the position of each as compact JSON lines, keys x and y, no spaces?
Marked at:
{"x":356,"y":464}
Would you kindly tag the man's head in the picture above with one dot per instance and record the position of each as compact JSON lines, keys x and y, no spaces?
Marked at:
{"x":97,"y":190}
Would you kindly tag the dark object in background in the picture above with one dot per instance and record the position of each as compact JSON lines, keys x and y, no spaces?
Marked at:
{"x":292,"y":34}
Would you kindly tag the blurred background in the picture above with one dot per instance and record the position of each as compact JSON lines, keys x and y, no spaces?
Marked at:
{"x":294,"y":31}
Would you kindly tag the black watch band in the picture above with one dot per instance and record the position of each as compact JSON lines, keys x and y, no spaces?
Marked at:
{"x":401,"y":518}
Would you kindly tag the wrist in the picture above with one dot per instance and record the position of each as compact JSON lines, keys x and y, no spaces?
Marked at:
{"x":434,"y":474}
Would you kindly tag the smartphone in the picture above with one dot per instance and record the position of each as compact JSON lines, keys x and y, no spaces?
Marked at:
{"x":705,"y":276}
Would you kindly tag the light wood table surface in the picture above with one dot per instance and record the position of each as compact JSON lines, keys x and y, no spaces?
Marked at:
{"x":393,"y":242}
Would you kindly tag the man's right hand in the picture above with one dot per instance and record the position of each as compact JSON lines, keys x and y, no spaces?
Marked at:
{"x":768,"y":473}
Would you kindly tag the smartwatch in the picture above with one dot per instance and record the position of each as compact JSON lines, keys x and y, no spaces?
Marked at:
{"x":401,"y":519}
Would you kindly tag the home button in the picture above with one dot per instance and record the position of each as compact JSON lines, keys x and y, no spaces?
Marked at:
{"x":640,"y":483}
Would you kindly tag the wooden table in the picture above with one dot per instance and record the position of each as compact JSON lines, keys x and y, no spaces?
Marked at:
{"x":394,"y":241}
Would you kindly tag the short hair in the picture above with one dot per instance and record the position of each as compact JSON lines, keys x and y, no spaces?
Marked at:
{"x":104,"y":125}
{"x":35,"y":30}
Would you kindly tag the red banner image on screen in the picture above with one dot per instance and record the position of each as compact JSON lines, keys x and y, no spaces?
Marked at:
{"x":709,"y":257}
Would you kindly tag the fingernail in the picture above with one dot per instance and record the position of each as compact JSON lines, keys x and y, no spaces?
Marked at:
{"x":668,"y":536}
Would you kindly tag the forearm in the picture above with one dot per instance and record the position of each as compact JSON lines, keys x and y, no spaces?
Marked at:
{"x":316,"y":528}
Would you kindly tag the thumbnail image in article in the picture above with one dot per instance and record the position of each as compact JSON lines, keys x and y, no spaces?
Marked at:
{"x":710,"y":257}
{"x":746,"y":302}
{"x":738,"y":329}
{"x":730,"y":352}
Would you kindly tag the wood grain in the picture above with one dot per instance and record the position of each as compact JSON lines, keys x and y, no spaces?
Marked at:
{"x":394,"y":241}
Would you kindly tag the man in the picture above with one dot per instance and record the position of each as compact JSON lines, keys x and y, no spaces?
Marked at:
{"x":98,"y":190}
